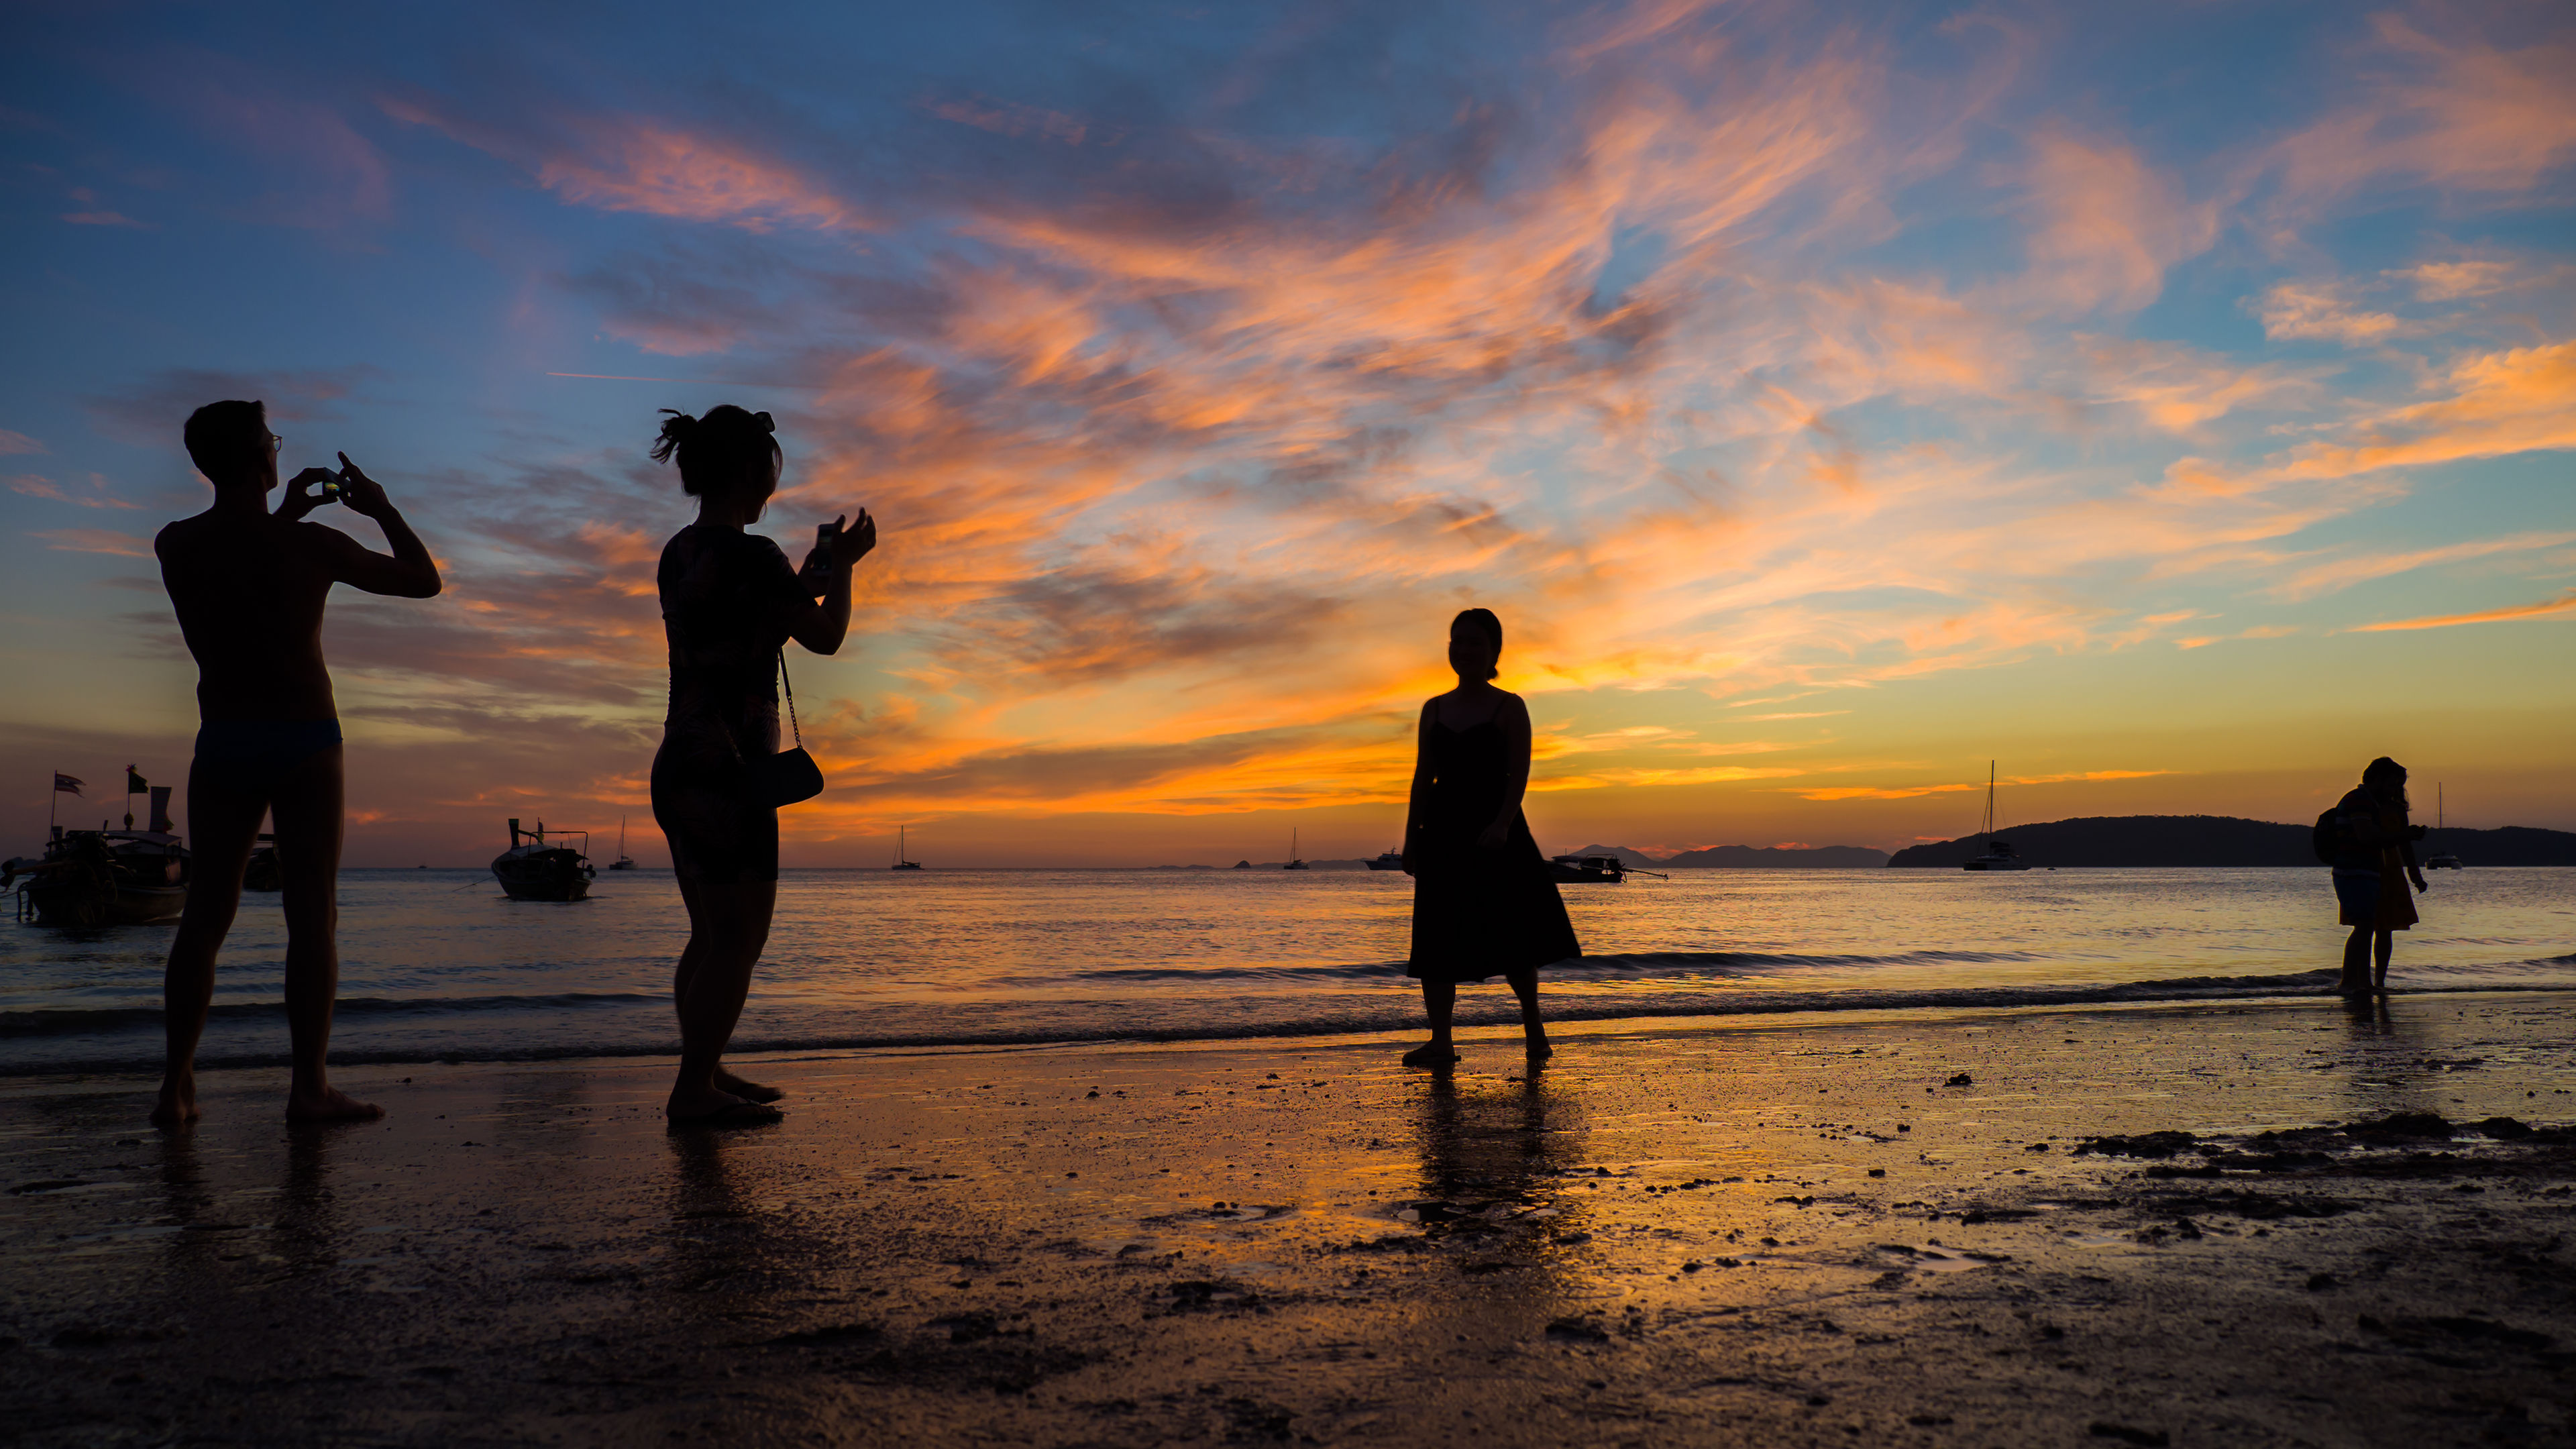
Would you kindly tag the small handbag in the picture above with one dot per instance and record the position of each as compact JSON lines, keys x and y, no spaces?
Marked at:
{"x":789,"y":776}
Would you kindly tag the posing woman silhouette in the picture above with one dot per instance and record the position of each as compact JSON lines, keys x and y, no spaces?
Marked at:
{"x":729,"y":604}
{"x":1483,"y":900}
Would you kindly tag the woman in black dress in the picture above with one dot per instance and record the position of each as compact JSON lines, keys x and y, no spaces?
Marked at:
{"x":1483,"y":899}
{"x":729,"y":603}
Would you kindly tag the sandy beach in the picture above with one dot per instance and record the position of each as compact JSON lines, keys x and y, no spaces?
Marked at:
{"x":1845,"y":1228}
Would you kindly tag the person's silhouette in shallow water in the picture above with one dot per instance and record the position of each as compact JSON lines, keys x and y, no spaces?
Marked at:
{"x":1483,"y":898}
{"x":729,"y":604}
{"x":248,"y":586}
{"x":2373,"y":867}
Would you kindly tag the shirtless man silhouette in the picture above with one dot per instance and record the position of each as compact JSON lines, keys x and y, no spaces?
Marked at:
{"x":249,"y":586}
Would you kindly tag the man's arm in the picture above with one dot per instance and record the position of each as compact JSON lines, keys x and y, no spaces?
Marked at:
{"x":410,"y":574}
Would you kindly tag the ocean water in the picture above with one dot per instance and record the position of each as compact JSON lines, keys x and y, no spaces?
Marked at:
{"x":438,"y":965}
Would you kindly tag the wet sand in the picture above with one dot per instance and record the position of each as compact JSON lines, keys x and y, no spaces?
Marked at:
{"x":1827,"y":1229}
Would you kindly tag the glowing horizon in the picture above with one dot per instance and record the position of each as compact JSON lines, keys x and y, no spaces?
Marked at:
{"x":2173,"y":408}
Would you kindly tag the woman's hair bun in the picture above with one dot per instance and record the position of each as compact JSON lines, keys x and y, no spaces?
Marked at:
{"x":677,"y":429}
{"x":714,"y":451}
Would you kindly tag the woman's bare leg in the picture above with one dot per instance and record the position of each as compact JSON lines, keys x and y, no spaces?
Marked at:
{"x":1534,"y":1031}
{"x":1440,"y":1003}
{"x":306,"y":808}
{"x":730,"y":928}
{"x":690,"y":956}
{"x":2387,"y":946}
{"x":224,"y":823}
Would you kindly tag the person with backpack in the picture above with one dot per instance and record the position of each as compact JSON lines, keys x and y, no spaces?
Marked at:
{"x":2371,"y":843}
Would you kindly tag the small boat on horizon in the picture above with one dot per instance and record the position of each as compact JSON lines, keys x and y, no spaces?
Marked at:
{"x":1998,"y":854}
{"x":1294,"y":863}
{"x":262,"y":872}
{"x":1594,"y":870}
{"x":901,"y":852}
{"x":2440,"y":859}
{"x":623,"y":860}
{"x":1387,"y":860}
{"x":532,"y":870}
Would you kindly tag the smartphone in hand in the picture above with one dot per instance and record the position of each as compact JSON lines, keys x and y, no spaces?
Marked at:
{"x":816,"y":576}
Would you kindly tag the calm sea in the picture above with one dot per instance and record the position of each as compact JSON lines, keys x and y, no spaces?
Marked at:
{"x":438,"y":965}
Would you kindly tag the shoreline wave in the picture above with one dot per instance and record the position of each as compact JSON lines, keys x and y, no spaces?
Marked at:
{"x":2179,"y":991}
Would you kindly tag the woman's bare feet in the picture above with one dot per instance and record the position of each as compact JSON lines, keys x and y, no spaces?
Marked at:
{"x":718,"y":1109}
{"x":178,"y":1102}
{"x":1539,"y":1049}
{"x":329,"y":1105}
{"x":749,"y":1091}
{"x":1431,"y":1054}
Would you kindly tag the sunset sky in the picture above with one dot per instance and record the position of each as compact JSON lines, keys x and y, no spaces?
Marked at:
{"x":2173,"y":403}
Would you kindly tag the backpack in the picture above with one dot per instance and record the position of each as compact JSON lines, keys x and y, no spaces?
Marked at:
{"x":2327,"y":838}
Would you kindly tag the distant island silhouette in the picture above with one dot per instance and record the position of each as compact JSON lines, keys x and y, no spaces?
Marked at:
{"x":1750,"y":857}
{"x":2221,"y":840}
{"x":2093,"y":840}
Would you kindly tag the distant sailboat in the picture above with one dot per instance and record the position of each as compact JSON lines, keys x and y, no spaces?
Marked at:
{"x":1998,"y":854}
{"x":2440,"y":859}
{"x":1293,"y":862}
{"x":901,"y":854}
{"x":623,"y":860}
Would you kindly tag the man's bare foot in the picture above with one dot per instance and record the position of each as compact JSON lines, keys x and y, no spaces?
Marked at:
{"x":749,"y":1091}
{"x":1539,"y":1050}
{"x":1431,"y":1054}
{"x":178,"y":1102}
{"x":329,"y":1105}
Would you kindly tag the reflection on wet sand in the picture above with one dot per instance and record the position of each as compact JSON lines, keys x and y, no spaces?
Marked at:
{"x":1495,"y":1165}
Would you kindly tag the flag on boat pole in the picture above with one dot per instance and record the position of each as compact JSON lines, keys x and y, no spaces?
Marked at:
{"x":135,"y":784}
{"x":63,"y":785}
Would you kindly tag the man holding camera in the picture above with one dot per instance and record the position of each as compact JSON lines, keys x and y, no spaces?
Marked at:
{"x":249,"y":586}
{"x":2375,"y":843}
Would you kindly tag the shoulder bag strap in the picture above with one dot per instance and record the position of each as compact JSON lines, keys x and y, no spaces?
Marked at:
{"x":791,"y":697}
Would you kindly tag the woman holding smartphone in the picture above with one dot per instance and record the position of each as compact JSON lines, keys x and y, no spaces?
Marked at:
{"x":729,"y":605}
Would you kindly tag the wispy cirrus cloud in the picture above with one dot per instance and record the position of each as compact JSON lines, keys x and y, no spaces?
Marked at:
{"x":94,"y":540}
{"x":2563,"y":605}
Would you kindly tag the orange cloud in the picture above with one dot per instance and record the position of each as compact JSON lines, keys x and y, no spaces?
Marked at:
{"x":94,"y":540}
{"x":36,"y":486}
{"x":2325,"y":578}
{"x":2459,"y":113}
{"x":623,"y":164}
{"x":2564,"y":604}
{"x":2108,"y":227}
{"x":671,"y":173}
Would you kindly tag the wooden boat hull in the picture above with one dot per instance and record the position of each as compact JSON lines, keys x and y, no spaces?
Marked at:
{"x":125,"y":905}
{"x":550,"y":876}
{"x":1577,"y":875}
{"x":263,"y":874}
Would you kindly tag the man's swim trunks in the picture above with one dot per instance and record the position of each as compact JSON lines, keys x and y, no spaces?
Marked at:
{"x":252,"y":755}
